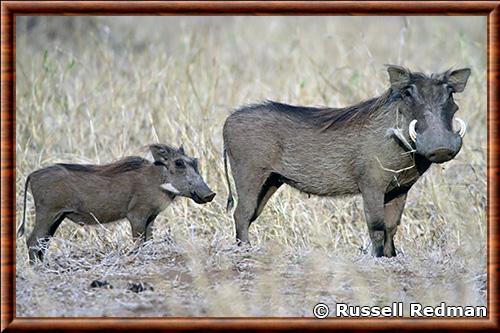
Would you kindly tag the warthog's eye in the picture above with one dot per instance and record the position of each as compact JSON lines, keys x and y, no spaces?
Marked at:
{"x":407,"y":92}
{"x":180,"y":164}
{"x":450,"y":91}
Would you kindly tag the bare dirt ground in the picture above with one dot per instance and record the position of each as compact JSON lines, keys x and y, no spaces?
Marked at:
{"x":96,"y":89}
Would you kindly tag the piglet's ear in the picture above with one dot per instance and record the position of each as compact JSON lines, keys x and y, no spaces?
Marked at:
{"x":398,"y":75}
{"x":458,"y":79}
{"x":181,"y":150}
{"x":161,"y":152}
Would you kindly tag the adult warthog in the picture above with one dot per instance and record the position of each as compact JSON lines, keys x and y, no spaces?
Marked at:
{"x":132,"y":188}
{"x":379,"y":148}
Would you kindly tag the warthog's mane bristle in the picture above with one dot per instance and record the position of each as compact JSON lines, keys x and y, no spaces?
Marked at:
{"x":126,"y":164}
{"x":331,"y":118}
{"x":326,"y":117}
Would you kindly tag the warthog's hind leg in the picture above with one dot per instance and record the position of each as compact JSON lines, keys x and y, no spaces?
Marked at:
{"x":271,"y":185}
{"x":247,"y":210}
{"x":46,"y":225}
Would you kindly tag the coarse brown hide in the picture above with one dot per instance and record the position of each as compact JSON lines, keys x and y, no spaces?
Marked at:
{"x":132,"y":188}
{"x":378,"y":148}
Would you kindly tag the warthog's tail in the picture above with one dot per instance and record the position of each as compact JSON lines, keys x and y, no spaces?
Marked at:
{"x":230,"y":200}
{"x":20,"y":230}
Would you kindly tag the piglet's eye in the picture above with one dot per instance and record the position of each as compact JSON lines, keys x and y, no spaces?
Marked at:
{"x":450,"y":90}
{"x":180,"y":164}
{"x":408,"y":92}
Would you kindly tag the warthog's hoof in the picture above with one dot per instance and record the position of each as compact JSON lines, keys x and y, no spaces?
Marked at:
{"x":101,"y":284}
{"x":239,"y":242}
{"x":139,"y":287}
{"x":378,"y":251}
{"x":389,"y":253}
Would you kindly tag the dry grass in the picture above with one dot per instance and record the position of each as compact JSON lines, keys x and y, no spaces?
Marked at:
{"x":97,"y":89}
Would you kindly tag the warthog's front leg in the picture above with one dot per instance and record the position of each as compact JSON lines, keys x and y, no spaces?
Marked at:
{"x":138,"y":225}
{"x":373,"y":202}
{"x":149,"y":227}
{"x":142,"y":225}
{"x":393,"y":213}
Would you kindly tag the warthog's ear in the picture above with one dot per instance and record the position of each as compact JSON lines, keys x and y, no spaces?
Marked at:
{"x":161,"y":152}
{"x":181,"y":150}
{"x":458,"y":79}
{"x":398,"y":75}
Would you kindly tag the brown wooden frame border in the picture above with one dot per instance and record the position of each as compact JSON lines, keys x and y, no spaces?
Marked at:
{"x":9,"y":9}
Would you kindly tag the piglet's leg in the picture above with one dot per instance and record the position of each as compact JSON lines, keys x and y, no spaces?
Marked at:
{"x":138,"y":223}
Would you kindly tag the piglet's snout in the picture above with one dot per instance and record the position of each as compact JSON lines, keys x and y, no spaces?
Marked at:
{"x":209,"y":197}
{"x":205,"y":194}
{"x":202,"y":194}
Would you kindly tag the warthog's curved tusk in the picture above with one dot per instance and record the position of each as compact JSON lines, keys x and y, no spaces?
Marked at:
{"x":411,"y":130}
{"x":463,"y":126}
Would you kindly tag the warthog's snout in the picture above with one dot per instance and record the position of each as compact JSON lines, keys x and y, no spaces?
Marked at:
{"x":437,"y":144}
{"x":203,"y":196}
{"x":441,"y":155}
{"x":443,"y":151}
{"x":209,"y":197}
